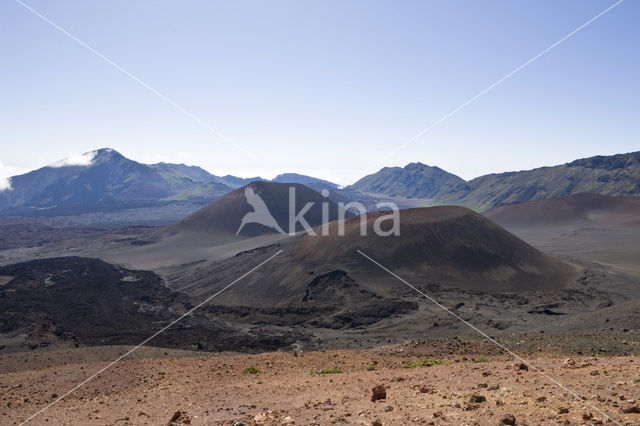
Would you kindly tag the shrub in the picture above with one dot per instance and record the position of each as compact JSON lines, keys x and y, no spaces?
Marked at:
{"x":329,"y":371}
{"x":371,"y":367}
{"x":481,"y":358}
{"x":251,"y":370}
{"x":425,"y":363}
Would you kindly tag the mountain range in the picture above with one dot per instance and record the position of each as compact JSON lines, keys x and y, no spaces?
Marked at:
{"x":617,"y":175}
{"x":104,"y":180}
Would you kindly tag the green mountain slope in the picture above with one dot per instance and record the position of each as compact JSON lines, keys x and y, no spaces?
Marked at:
{"x":107,"y":181}
{"x":606,"y":175}
{"x":415,"y":180}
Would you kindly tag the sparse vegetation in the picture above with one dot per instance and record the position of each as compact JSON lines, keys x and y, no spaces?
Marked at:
{"x":481,"y":358}
{"x":340,"y":420}
{"x":251,"y":370}
{"x":329,"y":371}
{"x":425,"y":363}
{"x":371,"y":367}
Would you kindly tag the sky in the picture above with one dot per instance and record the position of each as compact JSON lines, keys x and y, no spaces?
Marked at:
{"x":330,"y":89}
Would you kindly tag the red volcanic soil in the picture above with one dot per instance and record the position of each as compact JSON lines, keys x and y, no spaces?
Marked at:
{"x":585,"y":207}
{"x":216,"y":391}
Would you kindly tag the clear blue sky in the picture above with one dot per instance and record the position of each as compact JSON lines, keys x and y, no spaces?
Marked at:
{"x":324,"y":88}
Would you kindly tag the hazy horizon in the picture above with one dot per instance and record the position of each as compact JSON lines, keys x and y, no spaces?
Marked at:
{"x":326,"y":89}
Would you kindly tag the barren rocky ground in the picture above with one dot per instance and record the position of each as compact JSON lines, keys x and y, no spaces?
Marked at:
{"x":469,"y":388}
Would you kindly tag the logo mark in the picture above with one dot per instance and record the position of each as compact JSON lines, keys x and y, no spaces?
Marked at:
{"x":260,"y":214}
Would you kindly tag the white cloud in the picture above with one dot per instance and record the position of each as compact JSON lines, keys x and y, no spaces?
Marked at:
{"x":5,"y":173}
{"x":85,"y":159}
{"x":5,"y":184}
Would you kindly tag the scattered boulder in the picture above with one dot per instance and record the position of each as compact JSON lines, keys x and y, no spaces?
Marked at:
{"x":180,"y":418}
{"x":571,"y":363}
{"x":522,"y":366}
{"x":379,"y":392}
{"x":476,"y":399}
{"x":509,"y":419}
{"x":376,"y":422}
{"x":424,"y":389}
{"x":563,"y":410}
{"x":631,"y":408}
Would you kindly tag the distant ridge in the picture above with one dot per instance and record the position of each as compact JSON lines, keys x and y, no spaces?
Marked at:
{"x":615,"y":175}
{"x":105,"y":181}
{"x":304,"y":180}
{"x":236,"y":182}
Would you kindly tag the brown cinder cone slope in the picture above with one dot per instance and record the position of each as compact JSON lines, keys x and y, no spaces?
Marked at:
{"x":224,"y":216}
{"x":451,"y":246}
{"x":583,"y":207}
{"x":444,"y":246}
